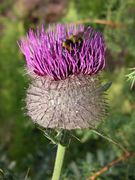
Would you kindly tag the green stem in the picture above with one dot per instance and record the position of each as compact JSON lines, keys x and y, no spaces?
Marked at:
{"x":58,"y":162}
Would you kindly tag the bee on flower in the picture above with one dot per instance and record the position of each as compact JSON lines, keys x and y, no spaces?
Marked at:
{"x":64,"y":64}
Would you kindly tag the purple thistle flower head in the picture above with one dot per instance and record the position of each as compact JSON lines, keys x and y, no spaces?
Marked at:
{"x":46,"y":53}
{"x":63,"y":62}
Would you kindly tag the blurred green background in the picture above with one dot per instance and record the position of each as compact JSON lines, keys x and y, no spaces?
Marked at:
{"x":24,"y":152}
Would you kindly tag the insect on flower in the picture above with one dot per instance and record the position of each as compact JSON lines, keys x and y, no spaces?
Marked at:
{"x":73,"y":41}
{"x":64,"y":64}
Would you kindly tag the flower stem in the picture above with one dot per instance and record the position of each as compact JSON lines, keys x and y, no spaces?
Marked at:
{"x":58,"y":162}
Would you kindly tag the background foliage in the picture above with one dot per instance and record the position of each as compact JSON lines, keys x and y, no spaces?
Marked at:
{"x":24,"y":152}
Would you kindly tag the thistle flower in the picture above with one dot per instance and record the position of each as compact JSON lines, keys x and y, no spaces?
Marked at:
{"x":63,"y":63}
